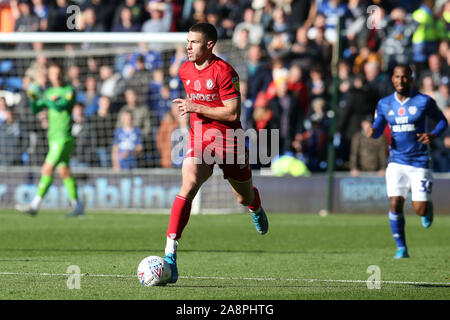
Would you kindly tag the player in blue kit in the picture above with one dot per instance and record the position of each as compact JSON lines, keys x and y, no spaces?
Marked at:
{"x":406,"y":111}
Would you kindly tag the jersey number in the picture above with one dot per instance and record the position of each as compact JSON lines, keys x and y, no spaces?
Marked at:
{"x":426,"y":185}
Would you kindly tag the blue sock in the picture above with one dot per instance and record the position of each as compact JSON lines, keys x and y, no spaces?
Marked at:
{"x":397,"y":221}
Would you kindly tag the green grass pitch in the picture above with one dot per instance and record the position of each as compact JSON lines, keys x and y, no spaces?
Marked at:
{"x":302,"y":257}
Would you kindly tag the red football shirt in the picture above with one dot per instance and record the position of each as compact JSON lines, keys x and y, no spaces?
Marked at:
{"x":210,"y":86}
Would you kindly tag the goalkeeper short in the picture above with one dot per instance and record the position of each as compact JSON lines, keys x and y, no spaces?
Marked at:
{"x":59,"y":152}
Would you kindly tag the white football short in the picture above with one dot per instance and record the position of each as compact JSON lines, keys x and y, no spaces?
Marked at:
{"x":401,"y":178}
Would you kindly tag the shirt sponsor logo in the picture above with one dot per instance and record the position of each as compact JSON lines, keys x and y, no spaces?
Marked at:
{"x":403,"y":127}
{"x":204,"y":97}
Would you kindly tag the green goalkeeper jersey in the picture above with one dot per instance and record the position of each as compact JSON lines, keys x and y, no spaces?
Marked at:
{"x":59,"y":101}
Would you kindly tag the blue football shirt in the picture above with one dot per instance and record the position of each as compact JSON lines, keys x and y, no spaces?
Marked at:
{"x":406,"y":119}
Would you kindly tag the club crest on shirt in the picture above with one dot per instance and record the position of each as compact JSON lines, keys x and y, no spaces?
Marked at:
{"x":401,"y":111}
{"x":209,"y":84}
{"x":412,"y":110}
{"x":197,"y":85}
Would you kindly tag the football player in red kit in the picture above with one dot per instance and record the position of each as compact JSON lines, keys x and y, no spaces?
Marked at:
{"x":214,"y":104}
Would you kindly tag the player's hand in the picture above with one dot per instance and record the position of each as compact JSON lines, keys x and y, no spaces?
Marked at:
{"x":425,"y":138}
{"x":185,"y":106}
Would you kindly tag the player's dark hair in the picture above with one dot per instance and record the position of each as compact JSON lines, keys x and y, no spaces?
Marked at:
{"x":207,"y":29}
{"x":406,"y":67}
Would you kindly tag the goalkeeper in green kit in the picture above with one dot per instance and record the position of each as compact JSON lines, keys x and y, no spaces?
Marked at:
{"x":59,"y":99}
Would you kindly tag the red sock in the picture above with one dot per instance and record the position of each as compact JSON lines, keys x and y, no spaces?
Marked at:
{"x":256,"y":202}
{"x":179,"y":217}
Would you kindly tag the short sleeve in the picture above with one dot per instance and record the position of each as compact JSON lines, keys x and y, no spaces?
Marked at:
{"x":228,"y":85}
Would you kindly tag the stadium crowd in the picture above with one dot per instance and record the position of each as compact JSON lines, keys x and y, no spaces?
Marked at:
{"x":287,"y":83}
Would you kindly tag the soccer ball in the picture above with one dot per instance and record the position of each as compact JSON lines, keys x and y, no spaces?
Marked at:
{"x":34,"y":91}
{"x":153,"y":271}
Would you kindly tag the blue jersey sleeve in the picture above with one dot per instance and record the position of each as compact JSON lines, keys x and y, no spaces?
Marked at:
{"x":380,"y":121}
{"x":434,"y":113}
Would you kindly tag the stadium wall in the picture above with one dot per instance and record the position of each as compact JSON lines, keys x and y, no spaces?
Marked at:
{"x":153,"y":190}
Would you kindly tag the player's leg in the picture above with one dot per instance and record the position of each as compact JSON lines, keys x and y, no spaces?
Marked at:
{"x":247,"y":195}
{"x":421,"y":186}
{"x":68,"y":180}
{"x":44,"y":184}
{"x":193,"y":176}
{"x":51,"y":160}
{"x":397,"y":186}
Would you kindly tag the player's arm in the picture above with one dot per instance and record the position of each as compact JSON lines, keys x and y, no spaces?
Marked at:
{"x":65,"y":100}
{"x":377,"y":128}
{"x":229,"y":112}
{"x":434,"y":113}
{"x":37,"y":105}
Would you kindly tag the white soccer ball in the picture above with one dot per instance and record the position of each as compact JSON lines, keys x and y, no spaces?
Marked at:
{"x":154,"y":271}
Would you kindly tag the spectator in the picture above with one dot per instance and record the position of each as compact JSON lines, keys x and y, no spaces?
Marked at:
{"x":127,"y":143}
{"x":365,"y":55}
{"x":317,"y":84}
{"x":90,"y":97}
{"x":198,"y":14}
{"x":310,"y":146}
{"x":27,"y":20}
{"x":160,"y":17}
{"x":112,"y":85}
{"x":286,"y":114}
{"x":302,"y":14}
{"x":90,"y":22}
{"x":255,"y":30}
{"x":354,"y":109}
{"x":74,"y":77}
{"x":140,"y":77}
{"x":175,"y":84}
{"x":152,"y":60}
{"x":102,"y":128}
{"x":3,"y":109}
{"x":435,"y":69}
{"x":142,"y":119}
{"x":332,"y":10}
{"x":158,"y":95}
{"x":137,"y":9}
{"x":425,"y":38}
{"x":83,"y":151}
{"x":396,"y":44}
{"x":213,"y":17}
{"x":259,"y":75}
{"x":367,"y":154}
{"x":305,"y":51}
{"x":442,"y":95}
{"x":171,"y":122}
{"x":104,"y":12}
{"x":378,"y":84}
{"x":41,"y":11}
{"x":57,"y":19}
{"x":12,"y":140}
{"x":126,"y":23}
{"x":441,"y":148}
